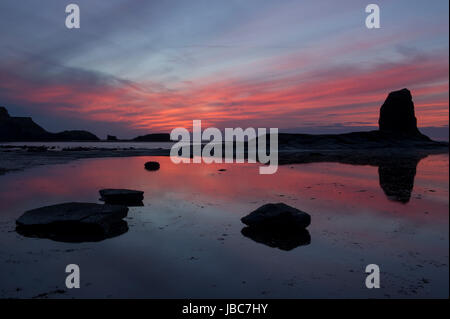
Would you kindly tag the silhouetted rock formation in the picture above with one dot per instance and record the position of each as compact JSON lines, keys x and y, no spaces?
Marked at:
{"x":111,"y":138}
{"x":395,"y":148}
{"x":74,"y":222}
{"x":74,"y":136}
{"x":397,"y":115}
{"x":157,"y":137}
{"x":397,"y":129}
{"x":19,"y":128}
{"x":25,"y":129}
{"x":3,"y":112}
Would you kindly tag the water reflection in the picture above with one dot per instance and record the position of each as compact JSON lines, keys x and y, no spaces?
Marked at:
{"x":70,"y":232}
{"x":284,"y":239}
{"x":396,"y":172}
{"x":123,"y":201}
{"x":397,"y":178}
{"x":176,"y":252}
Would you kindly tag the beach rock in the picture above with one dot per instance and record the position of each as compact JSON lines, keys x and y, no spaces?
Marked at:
{"x":74,"y":222}
{"x":152,"y":166}
{"x":397,"y":114}
{"x":127,"y":197}
{"x":277,"y":215}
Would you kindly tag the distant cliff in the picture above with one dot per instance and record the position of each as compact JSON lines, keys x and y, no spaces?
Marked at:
{"x":25,"y":129}
{"x":156,"y":137}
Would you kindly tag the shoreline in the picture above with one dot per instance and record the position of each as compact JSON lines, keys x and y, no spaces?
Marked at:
{"x":18,"y":158}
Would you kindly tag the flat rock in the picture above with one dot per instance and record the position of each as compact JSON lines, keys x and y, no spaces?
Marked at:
{"x":277,"y":215}
{"x":74,"y":222}
{"x":152,"y":166}
{"x":126,"y":197}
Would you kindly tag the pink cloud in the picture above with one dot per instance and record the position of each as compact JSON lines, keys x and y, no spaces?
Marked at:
{"x":323,"y":96}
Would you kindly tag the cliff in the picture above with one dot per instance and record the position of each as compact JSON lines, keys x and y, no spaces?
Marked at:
{"x":25,"y":129}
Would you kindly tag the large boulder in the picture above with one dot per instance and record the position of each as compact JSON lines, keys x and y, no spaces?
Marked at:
{"x":397,"y":114}
{"x":278,"y":216}
{"x":74,"y":222}
{"x":126,"y":197}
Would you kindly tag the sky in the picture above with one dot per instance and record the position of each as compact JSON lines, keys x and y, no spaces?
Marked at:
{"x":137,"y":67}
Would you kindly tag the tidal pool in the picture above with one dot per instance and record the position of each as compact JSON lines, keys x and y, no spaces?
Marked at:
{"x":187,"y":241}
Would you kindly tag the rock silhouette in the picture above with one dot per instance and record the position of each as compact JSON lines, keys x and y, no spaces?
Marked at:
{"x":396,"y":148}
{"x":111,"y":138}
{"x":19,"y":128}
{"x":156,"y":137}
{"x":74,"y":222}
{"x":277,"y":215}
{"x":397,"y":129}
{"x":76,"y":135}
{"x":152,"y":166}
{"x":397,"y":115}
{"x":3,"y":113}
{"x":25,"y":129}
{"x":278,"y":226}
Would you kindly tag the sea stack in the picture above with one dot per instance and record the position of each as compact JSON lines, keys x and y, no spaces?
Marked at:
{"x":397,"y":115}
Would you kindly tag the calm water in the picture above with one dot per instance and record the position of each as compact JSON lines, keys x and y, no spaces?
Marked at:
{"x":187,"y":242}
{"x":104,"y":144}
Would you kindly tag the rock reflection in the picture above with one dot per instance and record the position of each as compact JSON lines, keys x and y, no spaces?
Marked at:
{"x":396,"y":171}
{"x":128,"y":203}
{"x":281,"y":238}
{"x":70,"y":232}
{"x":397,"y":178}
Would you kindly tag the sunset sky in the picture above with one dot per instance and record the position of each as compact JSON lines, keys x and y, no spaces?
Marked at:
{"x":138,"y":67}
